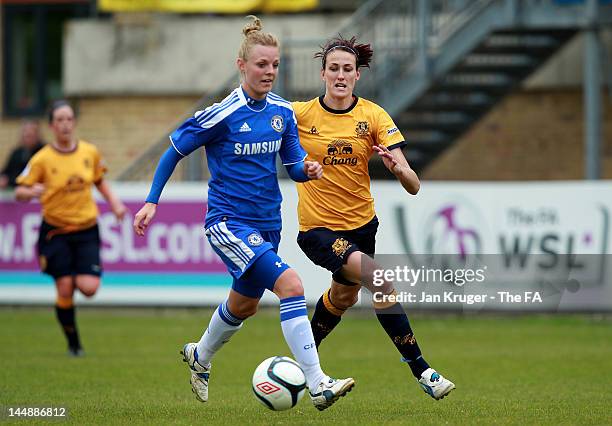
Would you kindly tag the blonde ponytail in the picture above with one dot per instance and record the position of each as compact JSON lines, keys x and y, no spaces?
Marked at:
{"x":254,"y":35}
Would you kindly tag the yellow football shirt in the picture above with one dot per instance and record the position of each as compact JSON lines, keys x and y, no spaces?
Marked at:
{"x":342,"y":141}
{"x":67,"y":201}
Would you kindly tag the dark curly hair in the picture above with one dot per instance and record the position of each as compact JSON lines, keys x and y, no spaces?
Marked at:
{"x":363,"y":52}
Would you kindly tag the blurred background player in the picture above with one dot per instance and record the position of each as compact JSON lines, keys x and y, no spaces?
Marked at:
{"x":338,"y":223}
{"x":61,"y":176}
{"x":30,"y":143}
{"x":242,"y":135}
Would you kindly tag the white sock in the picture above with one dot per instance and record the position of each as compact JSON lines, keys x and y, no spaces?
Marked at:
{"x":221,"y":328}
{"x":298,"y":335}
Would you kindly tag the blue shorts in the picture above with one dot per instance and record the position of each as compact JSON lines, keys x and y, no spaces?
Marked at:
{"x":249,"y":254}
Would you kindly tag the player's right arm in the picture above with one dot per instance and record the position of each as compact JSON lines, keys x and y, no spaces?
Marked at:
{"x":29,"y":182}
{"x":144,"y":217}
{"x":26,"y":193}
{"x":165,"y":167}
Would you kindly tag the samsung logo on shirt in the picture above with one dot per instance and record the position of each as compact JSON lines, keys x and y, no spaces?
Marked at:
{"x":257,"y":147}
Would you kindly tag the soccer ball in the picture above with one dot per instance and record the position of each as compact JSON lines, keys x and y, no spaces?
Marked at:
{"x":279,"y":383}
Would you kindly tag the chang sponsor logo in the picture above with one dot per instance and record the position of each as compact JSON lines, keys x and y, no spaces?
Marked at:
{"x":75,"y":184}
{"x":340,"y":152}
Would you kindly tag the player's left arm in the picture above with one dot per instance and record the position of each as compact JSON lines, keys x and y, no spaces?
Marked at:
{"x":304,"y":171}
{"x":117,"y":207}
{"x":294,"y":157}
{"x":388,"y":142}
{"x":397,"y":164}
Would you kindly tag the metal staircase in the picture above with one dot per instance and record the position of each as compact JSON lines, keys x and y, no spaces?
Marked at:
{"x":454,"y":102}
{"x":439,"y":65}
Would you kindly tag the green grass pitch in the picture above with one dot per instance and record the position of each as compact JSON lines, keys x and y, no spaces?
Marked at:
{"x":508,"y":369}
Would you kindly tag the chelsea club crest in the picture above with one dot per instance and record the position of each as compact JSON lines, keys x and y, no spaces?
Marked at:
{"x":277,"y":123}
{"x":255,"y":239}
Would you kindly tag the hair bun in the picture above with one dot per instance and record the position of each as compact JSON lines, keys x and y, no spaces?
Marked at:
{"x":252,"y":26}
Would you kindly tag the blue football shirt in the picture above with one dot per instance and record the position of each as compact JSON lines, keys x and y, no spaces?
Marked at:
{"x":241,"y":143}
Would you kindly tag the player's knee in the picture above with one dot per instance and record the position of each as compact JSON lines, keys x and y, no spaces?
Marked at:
{"x":65,"y":287}
{"x":88,"y":285}
{"x":345,"y":298}
{"x":372,"y":279}
{"x":245,"y":310}
{"x":241,"y":306}
{"x":89,"y":292}
{"x":288,"y":285}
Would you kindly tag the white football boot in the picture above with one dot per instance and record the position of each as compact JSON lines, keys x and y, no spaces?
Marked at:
{"x":434,"y":384}
{"x":329,"y":391}
{"x":199,"y":373}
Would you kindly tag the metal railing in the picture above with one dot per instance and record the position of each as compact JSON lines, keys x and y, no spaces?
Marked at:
{"x":403,"y":33}
{"x":393,"y":27}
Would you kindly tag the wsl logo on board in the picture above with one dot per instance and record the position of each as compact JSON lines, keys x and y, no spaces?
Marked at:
{"x":523,"y":244}
{"x":448,"y":234}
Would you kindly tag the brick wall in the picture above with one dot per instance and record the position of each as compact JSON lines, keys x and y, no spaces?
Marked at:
{"x":531,"y":135}
{"x":124,"y":127}
{"x":121,"y":128}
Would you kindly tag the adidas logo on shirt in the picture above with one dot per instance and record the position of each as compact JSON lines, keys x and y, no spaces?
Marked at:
{"x":245,"y":128}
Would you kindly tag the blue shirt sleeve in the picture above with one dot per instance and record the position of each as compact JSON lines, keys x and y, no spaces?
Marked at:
{"x":291,"y":151}
{"x":165,"y":167}
{"x":296,"y":172}
{"x":191,"y":135}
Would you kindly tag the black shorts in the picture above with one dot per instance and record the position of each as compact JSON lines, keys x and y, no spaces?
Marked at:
{"x":331,"y":249}
{"x":72,"y":253}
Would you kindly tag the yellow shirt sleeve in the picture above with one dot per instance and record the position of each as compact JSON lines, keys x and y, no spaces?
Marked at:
{"x":298,"y":109}
{"x":33,"y":173}
{"x":387,"y":133}
{"x":99,"y":166}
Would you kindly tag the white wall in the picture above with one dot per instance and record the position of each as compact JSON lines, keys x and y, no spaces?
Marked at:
{"x":167,"y":54}
{"x":171,"y":54}
{"x":566,"y":68}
